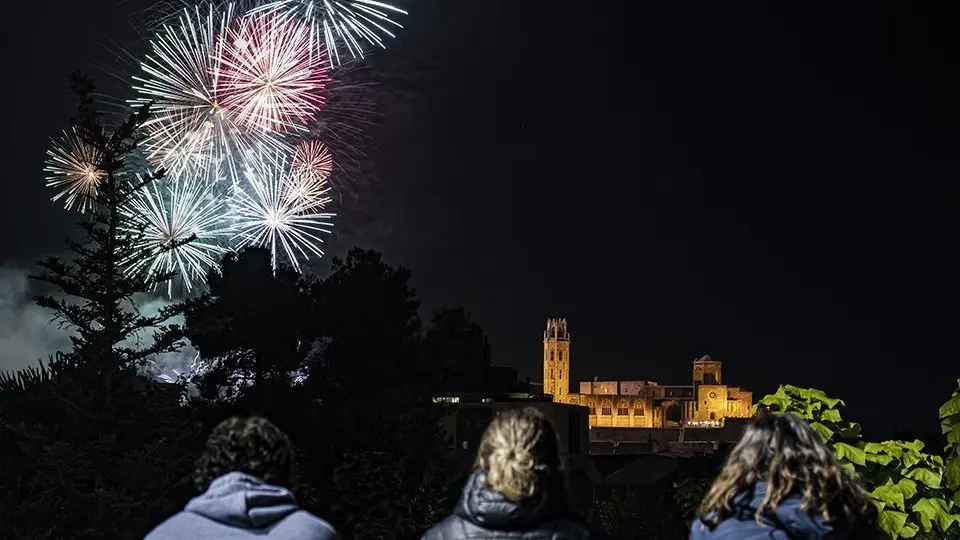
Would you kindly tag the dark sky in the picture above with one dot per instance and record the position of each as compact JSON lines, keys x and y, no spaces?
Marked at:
{"x":769,"y":183}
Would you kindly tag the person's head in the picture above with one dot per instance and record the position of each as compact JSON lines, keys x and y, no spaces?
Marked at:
{"x":783,"y":451}
{"x":517,"y":448}
{"x":252,"y":445}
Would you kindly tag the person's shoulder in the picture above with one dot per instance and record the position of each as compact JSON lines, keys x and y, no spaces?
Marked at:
{"x":698,"y":530}
{"x":303,"y":525}
{"x":450,"y":528}
{"x":178,"y":525}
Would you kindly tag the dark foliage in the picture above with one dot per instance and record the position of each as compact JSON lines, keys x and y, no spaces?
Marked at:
{"x":253,"y":323}
{"x":458,"y":351}
{"x":79,"y":461}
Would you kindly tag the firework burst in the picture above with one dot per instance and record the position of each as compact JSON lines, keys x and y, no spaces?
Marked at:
{"x":312,"y":159}
{"x":183,"y":226}
{"x":341,"y":30}
{"x":269,"y":213}
{"x":191,"y":133}
{"x":312,"y":165}
{"x":74,"y":168}
{"x":270,"y":77}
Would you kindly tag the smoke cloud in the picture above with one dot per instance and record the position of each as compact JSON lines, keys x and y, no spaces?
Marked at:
{"x":28,"y":335}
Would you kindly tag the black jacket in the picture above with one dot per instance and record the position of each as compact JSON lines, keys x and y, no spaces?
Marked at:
{"x":484,"y":514}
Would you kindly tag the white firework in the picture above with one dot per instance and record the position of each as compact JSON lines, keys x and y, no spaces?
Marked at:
{"x":74,"y":168}
{"x":183,"y":226}
{"x":190,"y":133}
{"x":342,"y":29}
{"x":268,"y":212}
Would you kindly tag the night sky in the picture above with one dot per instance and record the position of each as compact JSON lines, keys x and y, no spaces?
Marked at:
{"x":769,"y":183}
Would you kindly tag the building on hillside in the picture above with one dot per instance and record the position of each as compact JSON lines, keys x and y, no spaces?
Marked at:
{"x":705,"y":403}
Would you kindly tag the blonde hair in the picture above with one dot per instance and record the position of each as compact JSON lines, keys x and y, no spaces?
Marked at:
{"x":516,"y":444}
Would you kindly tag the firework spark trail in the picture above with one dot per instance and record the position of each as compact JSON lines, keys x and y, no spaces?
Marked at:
{"x":166,"y":218}
{"x":191,"y":132}
{"x":350,"y":26}
{"x":271,"y":80}
{"x":269,"y":216}
{"x":74,"y":168}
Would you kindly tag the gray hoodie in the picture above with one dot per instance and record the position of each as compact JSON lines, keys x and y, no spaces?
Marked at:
{"x":238,"y":505}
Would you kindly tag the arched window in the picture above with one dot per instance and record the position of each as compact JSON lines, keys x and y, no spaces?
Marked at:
{"x":713,"y":416}
{"x":606,"y":408}
{"x":561,"y":355}
{"x":551,"y":356}
{"x":638,"y":409}
{"x":551,"y":373}
{"x":623,"y":408}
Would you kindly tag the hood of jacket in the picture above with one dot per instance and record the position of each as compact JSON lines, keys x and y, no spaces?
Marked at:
{"x":244,"y":501}
{"x":491,"y":510}
{"x":788,"y":515}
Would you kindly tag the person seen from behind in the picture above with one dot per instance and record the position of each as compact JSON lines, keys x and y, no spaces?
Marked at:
{"x":246,"y":474}
{"x":781,"y":482}
{"x":516,"y":489}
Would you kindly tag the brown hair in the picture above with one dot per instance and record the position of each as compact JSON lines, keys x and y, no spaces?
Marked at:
{"x":783,"y":451}
{"x":252,"y":445}
{"x":514,"y":447}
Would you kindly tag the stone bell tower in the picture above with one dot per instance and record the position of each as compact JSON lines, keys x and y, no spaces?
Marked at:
{"x":556,"y":360}
{"x":706,"y":370}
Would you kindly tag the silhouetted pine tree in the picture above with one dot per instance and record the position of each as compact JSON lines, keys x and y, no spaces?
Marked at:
{"x":98,"y":281}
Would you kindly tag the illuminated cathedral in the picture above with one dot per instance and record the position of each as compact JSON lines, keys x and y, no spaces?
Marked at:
{"x":642,"y":404}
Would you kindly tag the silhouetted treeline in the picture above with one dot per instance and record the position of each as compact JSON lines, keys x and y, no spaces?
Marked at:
{"x":340,"y":363}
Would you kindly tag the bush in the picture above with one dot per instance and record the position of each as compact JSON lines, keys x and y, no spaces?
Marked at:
{"x":907,"y":485}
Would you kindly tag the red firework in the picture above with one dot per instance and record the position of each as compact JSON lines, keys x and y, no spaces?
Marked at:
{"x":272,"y":79}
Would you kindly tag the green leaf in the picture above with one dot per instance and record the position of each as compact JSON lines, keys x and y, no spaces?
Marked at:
{"x":929,"y":513}
{"x":822,"y":430}
{"x":948,"y":422}
{"x":909,"y":530}
{"x":773,"y":401}
{"x":911,"y":458}
{"x":953,"y":436}
{"x":891,"y":448}
{"x":852,"y":431}
{"x":951,"y":407}
{"x":786,"y":389}
{"x":907,"y":487}
{"x":811,"y":409}
{"x":831,"y":415}
{"x":952,"y":472}
{"x":880,"y":459}
{"x":925,"y":476}
{"x":850,"y":453}
{"x":892,"y":522}
{"x":889,"y":495}
{"x":914,"y":445}
{"x":937,"y":511}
